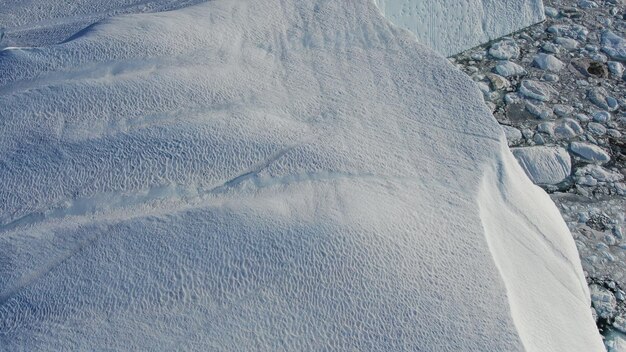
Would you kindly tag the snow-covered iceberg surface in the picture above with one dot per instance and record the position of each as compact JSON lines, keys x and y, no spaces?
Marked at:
{"x":269,"y":175}
{"x":452,"y":26}
{"x":43,"y":22}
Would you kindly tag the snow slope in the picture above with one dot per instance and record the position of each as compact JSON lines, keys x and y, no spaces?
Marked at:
{"x":452,"y":26}
{"x":269,"y":175}
{"x":43,"y":22}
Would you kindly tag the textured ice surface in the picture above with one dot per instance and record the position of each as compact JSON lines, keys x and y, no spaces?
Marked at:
{"x":452,"y":26}
{"x":39,"y":22}
{"x":269,"y":175}
{"x":544,"y":165}
{"x":449,"y":26}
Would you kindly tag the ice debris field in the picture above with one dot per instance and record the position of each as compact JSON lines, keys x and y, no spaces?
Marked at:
{"x":266,"y":175}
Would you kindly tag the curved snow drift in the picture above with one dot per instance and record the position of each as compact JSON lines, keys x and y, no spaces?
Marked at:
{"x":523,"y":229}
{"x":269,"y":175}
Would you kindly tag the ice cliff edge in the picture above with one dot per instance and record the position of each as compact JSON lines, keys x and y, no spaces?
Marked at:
{"x":452,"y":26}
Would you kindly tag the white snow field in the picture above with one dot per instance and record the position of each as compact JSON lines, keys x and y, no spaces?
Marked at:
{"x":453,"y":26}
{"x":276,"y":175}
{"x":43,"y":22}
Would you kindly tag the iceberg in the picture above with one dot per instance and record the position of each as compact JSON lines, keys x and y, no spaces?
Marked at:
{"x":269,"y":175}
{"x":448,"y":26}
{"x":453,"y":26}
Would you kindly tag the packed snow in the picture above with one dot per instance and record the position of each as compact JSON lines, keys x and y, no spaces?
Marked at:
{"x":452,"y":26}
{"x":269,"y":175}
{"x":30,"y":23}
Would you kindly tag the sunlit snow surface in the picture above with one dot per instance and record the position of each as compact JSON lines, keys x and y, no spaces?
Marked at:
{"x":43,"y":22}
{"x":269,"y":175}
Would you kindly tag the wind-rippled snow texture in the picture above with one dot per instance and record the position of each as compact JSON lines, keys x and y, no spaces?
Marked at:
{"x":42,"y":22}
{"x":263,"y":175}
{"x":452,"y":26}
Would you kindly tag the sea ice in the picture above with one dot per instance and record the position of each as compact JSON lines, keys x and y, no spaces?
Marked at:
{"x":544,"y":165}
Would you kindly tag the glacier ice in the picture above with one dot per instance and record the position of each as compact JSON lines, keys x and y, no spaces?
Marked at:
{"x":269,"y":175}
{"x":452,"y":26}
